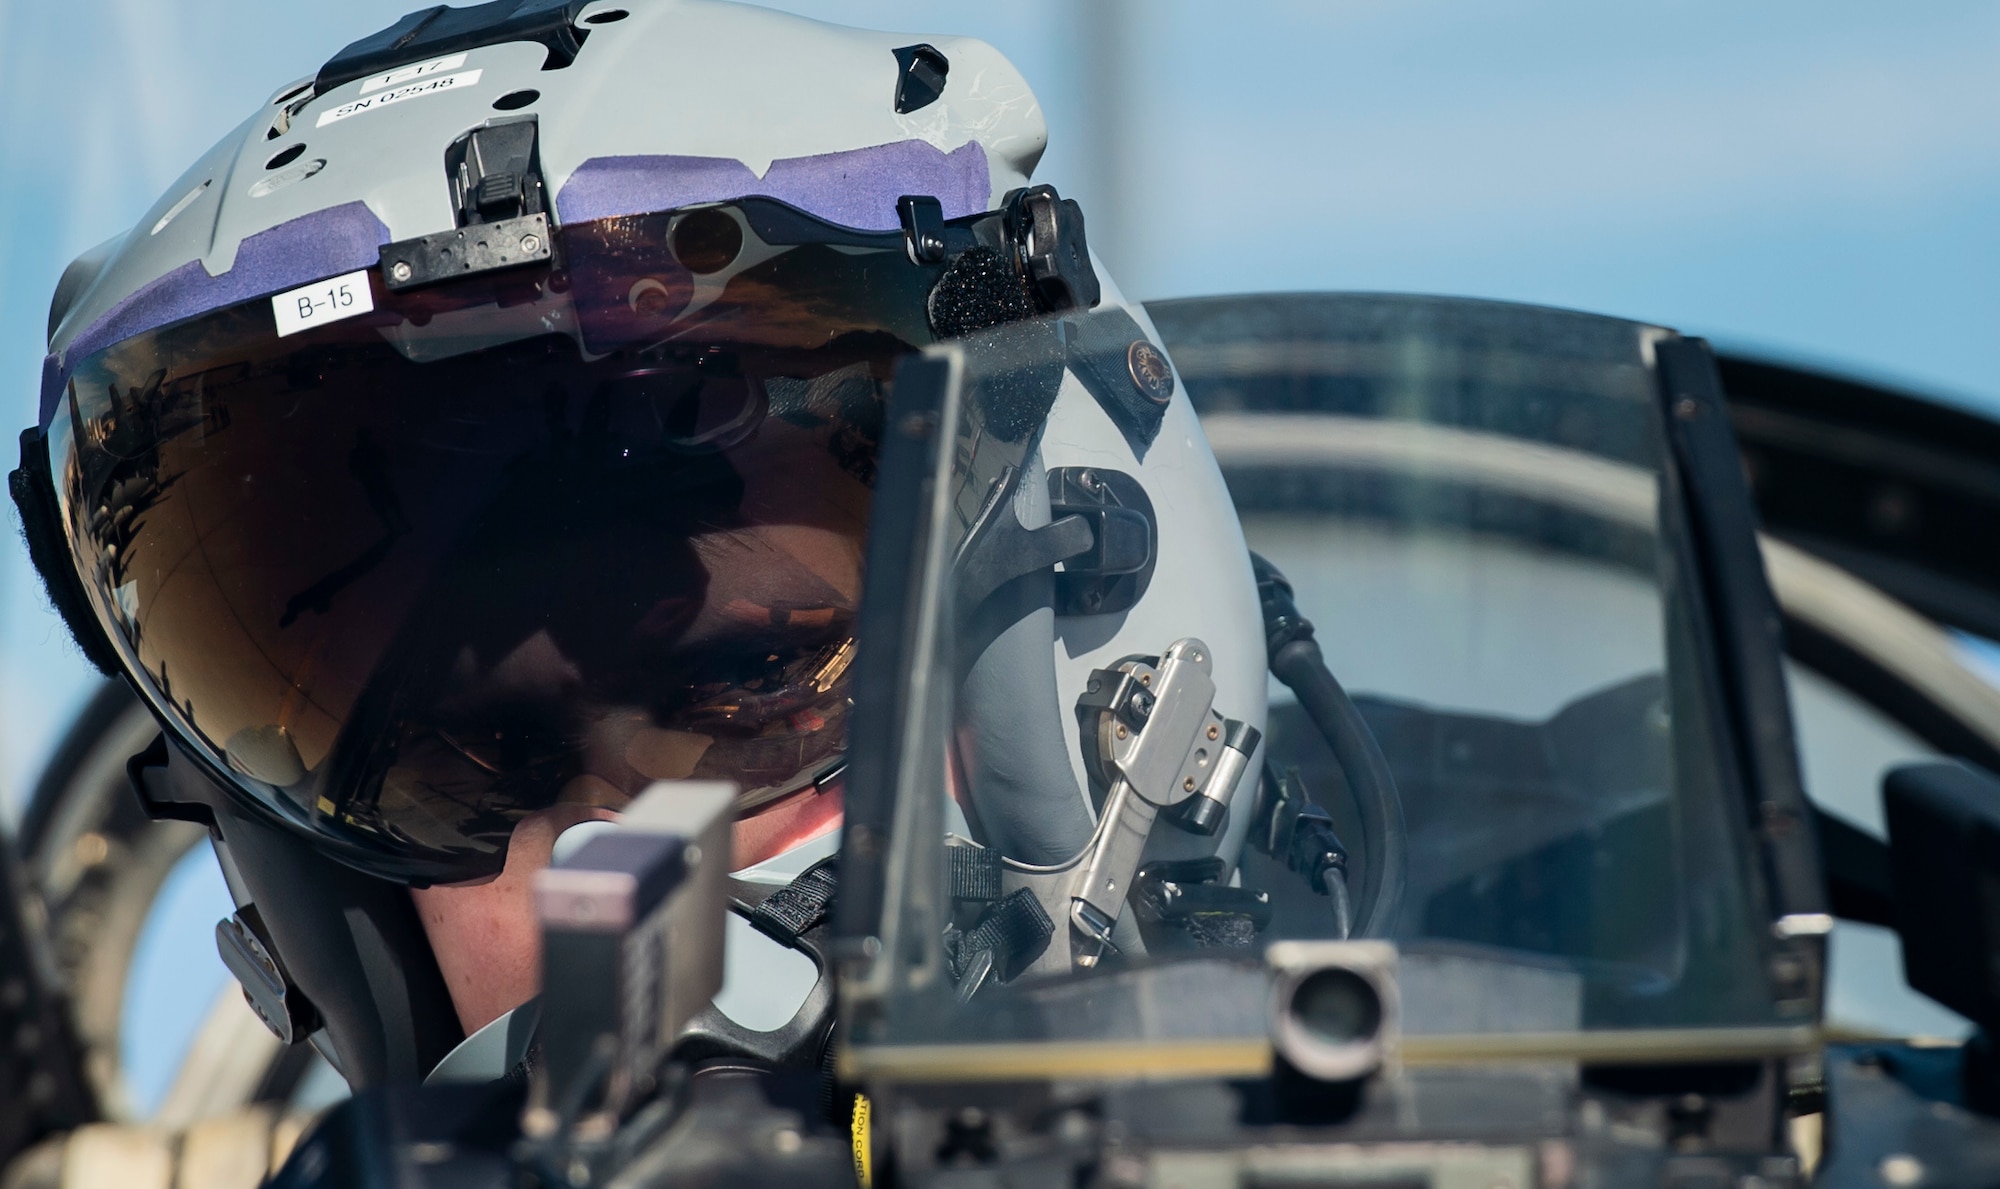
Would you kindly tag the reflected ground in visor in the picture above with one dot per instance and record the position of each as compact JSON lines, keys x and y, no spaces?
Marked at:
{"x":533,"y":539}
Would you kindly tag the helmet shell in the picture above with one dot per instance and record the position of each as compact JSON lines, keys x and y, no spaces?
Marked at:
{"x":681,"y":101}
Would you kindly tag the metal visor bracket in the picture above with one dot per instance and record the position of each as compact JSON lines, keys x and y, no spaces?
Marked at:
{"x":495,"y":176}
{"x":1160,"y":746}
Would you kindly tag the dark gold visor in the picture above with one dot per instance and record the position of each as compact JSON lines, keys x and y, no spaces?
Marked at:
{"x":512,"y":542}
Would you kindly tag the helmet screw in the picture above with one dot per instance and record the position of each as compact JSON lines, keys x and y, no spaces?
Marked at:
{"x":400,"y":271}
{"x":1151,"y":374}
{"x":1214,"y":732}
{"x":1122,"y":732}
{"x":1188,"y":784}
{"x":531,"y":244}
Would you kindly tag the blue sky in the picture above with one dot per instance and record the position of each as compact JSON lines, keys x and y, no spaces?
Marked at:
{"x":1816,"y":180}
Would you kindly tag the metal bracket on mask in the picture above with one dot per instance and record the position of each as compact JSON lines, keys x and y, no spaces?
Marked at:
{"x":1161,"y":748}
{"x":269,"y":990}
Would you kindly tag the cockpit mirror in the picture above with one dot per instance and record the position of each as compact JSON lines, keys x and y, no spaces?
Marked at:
{"x":1944,"y":857}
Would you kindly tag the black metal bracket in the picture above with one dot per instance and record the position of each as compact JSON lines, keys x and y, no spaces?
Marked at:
{"x":1184,"y":904}
{"x":1118,"y":693}
{"x":1118,"y":567}
{"x":1045,"y":232}
{"x":502,"y":210}
{"x":449,"y":255}
{"x":920,"y":75}
{"x":496,"y":172}
{"x":999,"y":548}
{"x":1740,"y":611}
{"x":434,"y":32}
{"x":923,"y":228}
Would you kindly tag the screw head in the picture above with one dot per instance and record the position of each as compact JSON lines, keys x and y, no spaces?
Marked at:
{"x":1214,"y":732}
{"x":400,"y":271}
{"x":1122,"y":732}
{"x":1151,"y":374}
{"x":1188,"y":784}
{"x":531,"y":244}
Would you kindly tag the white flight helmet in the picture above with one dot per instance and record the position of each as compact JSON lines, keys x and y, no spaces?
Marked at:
{"x":488,"y":424}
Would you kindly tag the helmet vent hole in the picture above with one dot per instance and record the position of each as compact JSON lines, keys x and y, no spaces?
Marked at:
{"x":608,"y":16}
{"x":515,"y":100}
{"x":705,"y":241}
{"x":286,"y":157}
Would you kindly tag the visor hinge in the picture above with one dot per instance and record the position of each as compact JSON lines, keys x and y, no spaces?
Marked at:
{"x":1045,"y":231}
{"x":501,"y":205}
{"x":923,"y":228}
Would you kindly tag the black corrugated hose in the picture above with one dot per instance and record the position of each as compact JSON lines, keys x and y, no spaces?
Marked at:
{"x":1297,"y":661}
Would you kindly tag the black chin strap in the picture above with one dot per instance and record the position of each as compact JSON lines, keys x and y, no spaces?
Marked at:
{"x":788,"y":914}
{"x":794,"y":916}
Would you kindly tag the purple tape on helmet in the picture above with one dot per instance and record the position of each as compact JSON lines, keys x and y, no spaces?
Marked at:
{"x":322,"y":244}
{"x":857,"y":188}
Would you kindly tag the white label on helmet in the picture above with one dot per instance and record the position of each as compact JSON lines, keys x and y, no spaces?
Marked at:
{"x":322,"y":302}
{"x":427,"y":86}
{"x":406,"y":74}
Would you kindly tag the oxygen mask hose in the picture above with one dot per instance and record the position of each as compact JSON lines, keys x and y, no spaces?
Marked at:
{"x":1297,"y":661}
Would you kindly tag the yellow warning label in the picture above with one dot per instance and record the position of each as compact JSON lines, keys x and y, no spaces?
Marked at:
{"x":863,"y":1166}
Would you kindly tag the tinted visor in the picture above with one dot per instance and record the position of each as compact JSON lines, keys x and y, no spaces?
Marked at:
{"x":512,"y":542}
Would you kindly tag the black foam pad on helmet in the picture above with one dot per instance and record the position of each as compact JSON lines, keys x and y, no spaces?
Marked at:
{"x":34,"y":495}
{"x":979,"y":290}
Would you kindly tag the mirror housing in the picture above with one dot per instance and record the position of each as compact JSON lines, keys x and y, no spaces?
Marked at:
{"x":1944,"y":857}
